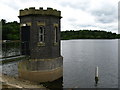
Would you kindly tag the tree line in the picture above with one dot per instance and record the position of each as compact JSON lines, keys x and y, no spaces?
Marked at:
{"x":88,"y":34}
{"x":11,"y":31}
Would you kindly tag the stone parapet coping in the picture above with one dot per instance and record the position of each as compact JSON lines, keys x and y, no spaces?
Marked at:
{"x":40,"y":11}
{"x":46,"y":59}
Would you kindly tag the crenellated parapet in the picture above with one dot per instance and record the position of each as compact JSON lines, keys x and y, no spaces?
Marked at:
{"x":40,"y":11}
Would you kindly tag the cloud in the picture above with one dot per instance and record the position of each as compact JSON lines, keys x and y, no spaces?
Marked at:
{"x":76,"y":4}
{"x":14,"y":4}
{"x":106,"y":13}
{"x":77,"y":14}
{"x":91,"y":14}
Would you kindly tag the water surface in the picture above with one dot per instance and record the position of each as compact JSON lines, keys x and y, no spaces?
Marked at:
{"x":80,"y":59}
{"x":82,"y":56}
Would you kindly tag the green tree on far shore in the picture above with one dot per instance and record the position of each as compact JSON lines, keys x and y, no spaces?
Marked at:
{"x":10,"y":30}
{"x":88,"y":34}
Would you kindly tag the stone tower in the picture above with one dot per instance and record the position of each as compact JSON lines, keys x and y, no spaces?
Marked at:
{"x":40,"y":35}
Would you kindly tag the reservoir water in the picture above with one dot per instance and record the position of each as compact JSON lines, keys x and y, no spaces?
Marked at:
{"x":81,"y":57}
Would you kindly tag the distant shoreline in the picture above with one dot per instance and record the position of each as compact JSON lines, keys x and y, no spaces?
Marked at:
{"x":88,"y":34}
{"x":90,"y":39}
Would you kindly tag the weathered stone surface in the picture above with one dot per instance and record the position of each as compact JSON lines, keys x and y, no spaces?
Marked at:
{"x":41,"y":70}
{"x":50,"y":49}
{"x":33,"y":11}
{"x":46,"y":62}
{"x":40,"y":64}
{"x":42,"y":76}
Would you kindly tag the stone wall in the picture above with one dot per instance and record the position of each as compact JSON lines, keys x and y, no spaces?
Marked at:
{"x":42,"y":76}
{"x":46,"y":62}
{"x":47,"y":49}
{"x":41,"y":70}
{"x":40,"y":64}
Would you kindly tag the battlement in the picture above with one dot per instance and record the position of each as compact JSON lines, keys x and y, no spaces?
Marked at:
{"x":40,"y":11}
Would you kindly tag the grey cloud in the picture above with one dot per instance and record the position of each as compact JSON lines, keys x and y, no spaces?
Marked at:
{"x":106,"y":14}
{"x":87,"y":25}
{"x":112,"y":28}
{"x":72,"y":19}
{"x":106,"y":19}
{"x":13,"y":5}
{"x":102,"y":27}
{"x":84,"y":26}
{"x":83,"y":5}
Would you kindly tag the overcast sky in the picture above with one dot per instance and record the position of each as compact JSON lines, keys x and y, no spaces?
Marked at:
{"x":77,"y":14}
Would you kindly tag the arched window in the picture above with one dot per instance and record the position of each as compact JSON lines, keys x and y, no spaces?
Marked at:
{"x":41,"y":33}
{"x":56,"y":34}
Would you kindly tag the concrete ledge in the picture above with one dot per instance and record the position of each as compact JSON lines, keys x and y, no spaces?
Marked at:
{"x":17,"y":83}
{"x":42,"y":76}
{"x":12,"y":59}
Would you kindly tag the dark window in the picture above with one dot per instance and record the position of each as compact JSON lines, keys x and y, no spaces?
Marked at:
{"x":41,"y":33}
{"x":56,"y":34}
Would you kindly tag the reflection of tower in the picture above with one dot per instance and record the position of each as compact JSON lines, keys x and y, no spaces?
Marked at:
{"x":40,"y":30}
